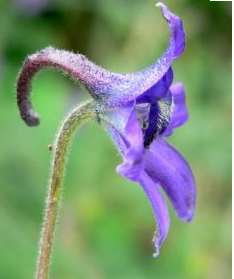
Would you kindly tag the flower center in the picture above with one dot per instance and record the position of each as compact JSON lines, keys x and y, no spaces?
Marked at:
{"x":154,"y":118}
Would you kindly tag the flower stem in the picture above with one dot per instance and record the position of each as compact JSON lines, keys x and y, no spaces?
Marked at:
{"x":77,"y":117}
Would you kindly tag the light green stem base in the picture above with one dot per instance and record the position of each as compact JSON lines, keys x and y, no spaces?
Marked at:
{"x":77,"y":117}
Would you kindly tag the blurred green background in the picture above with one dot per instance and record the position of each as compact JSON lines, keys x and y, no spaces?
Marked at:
{"x":106,"y":223}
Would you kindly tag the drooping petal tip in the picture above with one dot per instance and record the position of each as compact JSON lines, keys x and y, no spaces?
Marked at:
{"x":156,"y":254}
{"x":156,"y":245}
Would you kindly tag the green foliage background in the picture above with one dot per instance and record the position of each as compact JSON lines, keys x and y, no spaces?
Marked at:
{"x":106,"y":223}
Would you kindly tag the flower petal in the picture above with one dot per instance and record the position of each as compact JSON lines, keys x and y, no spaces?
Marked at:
{"x":133,"y":158}
{"x":159,"y":118}
{"x":180,"y":111}
{"x":126,"y":132}
{"x":167,"y":167}
{"x":154,"y":108}
{"x":138,"y":83}
{"x":160,"y":210}
{"x":158,"y":91}
{"x":177,"y":41}
{"x":128,"y":87}
{"x":150,"y":76}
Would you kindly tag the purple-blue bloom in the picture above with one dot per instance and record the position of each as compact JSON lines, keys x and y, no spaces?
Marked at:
{"x":139,"y":110}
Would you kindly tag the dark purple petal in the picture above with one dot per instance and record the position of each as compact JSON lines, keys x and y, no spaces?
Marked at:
{"x":180,"y":111}
{"x":153,"y":110}
{"x":167,"y":167}
{"x":159,"y":90}
{"x":160,"y":210}
{"x":159,"y":117}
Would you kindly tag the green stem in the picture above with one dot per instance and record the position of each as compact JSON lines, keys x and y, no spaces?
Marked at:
{"x":77,"y":117}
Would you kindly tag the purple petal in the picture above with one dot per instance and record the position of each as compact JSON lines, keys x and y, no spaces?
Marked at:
{"x":138,"y":83}
{"x":159,"y":118}
{"x":150,"y":76}
{"x":160,"y":210}
{"x":133,"y":158}
{"x":159,"y":90}
{"x":126,"y":132}
{"x":131,"y":86}
{"x":177,"y":41}
{"x":155,"y":197}
{"x":180,"y":111}
{"x":154,"y":108}
{"x":167,"y":167}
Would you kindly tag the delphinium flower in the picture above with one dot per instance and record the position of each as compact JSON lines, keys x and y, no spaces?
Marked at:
{"x":139,"y":111}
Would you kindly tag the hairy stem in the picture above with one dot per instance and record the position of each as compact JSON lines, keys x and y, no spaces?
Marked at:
{"x":77,"y":117}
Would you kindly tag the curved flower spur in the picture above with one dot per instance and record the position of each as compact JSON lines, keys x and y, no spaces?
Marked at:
{"x":139,"y":110}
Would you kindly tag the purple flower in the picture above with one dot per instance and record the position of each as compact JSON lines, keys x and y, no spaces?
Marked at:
{"x":139,"y":110}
